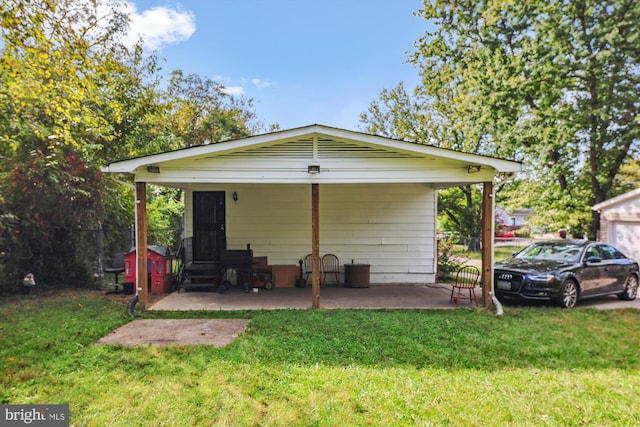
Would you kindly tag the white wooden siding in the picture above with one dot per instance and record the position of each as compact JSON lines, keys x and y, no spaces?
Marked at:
{"x":390,"y":226}
{"x":620,"y":222}
{"x":625,"y":236}
{"x":340,"y":161}
{"x":285,"y":170}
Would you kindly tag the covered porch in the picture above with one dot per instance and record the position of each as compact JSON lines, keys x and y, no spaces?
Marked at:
{"x":317,"y":190}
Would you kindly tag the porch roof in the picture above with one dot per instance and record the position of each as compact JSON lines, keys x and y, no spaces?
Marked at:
{"x":339,"y":156}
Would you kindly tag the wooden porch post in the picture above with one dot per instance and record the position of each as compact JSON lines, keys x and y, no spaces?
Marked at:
{"x":487,"y":242}
{"x":141,"y":244}
{"x":315,"y":245}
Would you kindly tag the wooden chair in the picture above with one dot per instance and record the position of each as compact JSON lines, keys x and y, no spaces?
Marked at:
{"x":330,"y":264}
{"x":308,"y":268}
{"x":467,"y":277}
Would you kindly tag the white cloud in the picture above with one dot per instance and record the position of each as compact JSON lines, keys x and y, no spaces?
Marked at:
{"x":159,"y":26}
{"x":260,"y":84}
{"x":239,"y":89}
{"x":233,"y":90}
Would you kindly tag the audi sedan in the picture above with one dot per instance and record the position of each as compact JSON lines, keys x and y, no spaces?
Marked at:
{"x":566,"y":271}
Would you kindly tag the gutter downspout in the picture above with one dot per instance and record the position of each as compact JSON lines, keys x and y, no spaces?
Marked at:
{"x":494,"y":299}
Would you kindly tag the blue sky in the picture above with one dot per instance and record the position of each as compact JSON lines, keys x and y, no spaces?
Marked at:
{"x":302,"y":62}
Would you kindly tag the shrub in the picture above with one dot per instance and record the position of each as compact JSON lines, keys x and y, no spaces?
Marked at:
{"x":448,"y":262}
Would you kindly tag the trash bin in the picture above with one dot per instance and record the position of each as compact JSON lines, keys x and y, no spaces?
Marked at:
{"x":127,"y":288}
{"x":356,"y":275}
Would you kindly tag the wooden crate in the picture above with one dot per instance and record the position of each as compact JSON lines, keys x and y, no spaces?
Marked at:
{"x":284,"y":276}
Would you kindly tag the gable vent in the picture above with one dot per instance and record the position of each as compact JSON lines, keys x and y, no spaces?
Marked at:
{"x":327,"y":149}
{"x":295,"y":148}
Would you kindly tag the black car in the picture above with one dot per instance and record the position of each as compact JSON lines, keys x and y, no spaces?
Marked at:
{"x":565,"y":271}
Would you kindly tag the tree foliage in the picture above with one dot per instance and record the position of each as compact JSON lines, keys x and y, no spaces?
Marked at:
{"x":550,"y":83}
{"x":202,"y":112}
{"x":459,"y":209}
{"x":72,"y":99}
{"x":52,"y":105}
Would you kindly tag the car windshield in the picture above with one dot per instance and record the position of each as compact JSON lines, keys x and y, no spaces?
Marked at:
{"x":551,"y":251}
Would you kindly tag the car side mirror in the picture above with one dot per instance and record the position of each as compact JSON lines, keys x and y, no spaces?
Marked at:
{"x":513,"y":254}
{"x":593,"y":259}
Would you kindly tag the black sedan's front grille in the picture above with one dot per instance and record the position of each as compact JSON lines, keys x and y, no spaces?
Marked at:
{"x":507,"y":281}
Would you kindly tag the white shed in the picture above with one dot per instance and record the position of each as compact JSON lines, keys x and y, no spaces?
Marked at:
{"x":620,"y":222}
{"x":319,"y":189}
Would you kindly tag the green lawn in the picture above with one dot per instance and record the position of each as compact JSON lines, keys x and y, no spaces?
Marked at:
{"x":499,"y":252}
{"x":460,"y":367}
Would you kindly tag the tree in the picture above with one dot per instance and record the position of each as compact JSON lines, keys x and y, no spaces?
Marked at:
{"x":629,"y":176}
{"x":52,"y":125}
{"x":201,"y":112}
{"x":551,"y":84}
{"x":73,"y":98}
{"x":459,"y":209}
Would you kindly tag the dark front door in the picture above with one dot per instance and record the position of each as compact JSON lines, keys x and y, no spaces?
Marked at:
{"x":209,"y":238}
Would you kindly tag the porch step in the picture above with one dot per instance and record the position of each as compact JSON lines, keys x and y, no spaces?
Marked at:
{"x":198,"y":276}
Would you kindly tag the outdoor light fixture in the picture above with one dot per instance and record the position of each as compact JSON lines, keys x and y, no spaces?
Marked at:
{"x":153,"y":169}
{"x":235,"y":196}
{"x":313,"y":169}
{"x":473,"y":168}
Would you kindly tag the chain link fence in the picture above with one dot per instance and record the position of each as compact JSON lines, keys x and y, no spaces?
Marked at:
{"x":76,"y":261}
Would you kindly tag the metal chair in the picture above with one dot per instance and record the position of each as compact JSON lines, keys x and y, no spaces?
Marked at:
{"x":330,"y":264}
{"x":116,"y":268}
{"x":467,"y":277}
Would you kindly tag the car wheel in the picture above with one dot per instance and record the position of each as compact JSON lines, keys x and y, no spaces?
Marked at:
{"x":630,"y":290}
{"x":569,"y":294}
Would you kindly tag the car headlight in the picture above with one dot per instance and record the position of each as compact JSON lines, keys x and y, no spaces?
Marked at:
{"x":541,"y":278}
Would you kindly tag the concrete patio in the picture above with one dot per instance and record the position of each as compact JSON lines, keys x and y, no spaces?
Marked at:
{"x":331,"y":297}
{"x":400,"y":296}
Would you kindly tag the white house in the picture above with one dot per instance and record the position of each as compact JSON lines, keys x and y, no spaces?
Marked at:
{"x":319,"y":189}
{"x":514,"y":219}
{"x":620,"y":222}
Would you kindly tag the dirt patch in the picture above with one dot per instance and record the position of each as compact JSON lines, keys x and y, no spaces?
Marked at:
{"x":162,"y":332}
